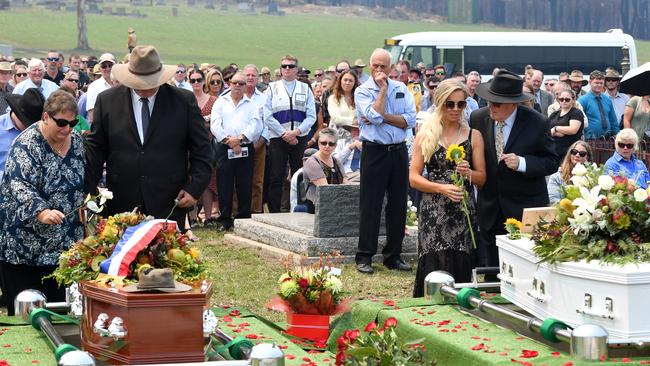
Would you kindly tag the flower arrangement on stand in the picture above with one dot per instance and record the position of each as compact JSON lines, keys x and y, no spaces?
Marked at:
{"x":379,"y":346}
{"x":310,"y":295}
{"x":601,"y":218}
{"x":513,"y":227}
{"x":456,"y":154}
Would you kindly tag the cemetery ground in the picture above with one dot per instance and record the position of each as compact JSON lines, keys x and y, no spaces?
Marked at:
{"x":318,"y":37}
{"x":246,"y":278}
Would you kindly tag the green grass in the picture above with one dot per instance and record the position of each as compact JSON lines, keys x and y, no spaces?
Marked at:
{"x":243,"y":278}
{"x":220,"y":37}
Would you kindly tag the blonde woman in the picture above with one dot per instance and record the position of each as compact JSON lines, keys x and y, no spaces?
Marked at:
{"x":578,"y":152}
{"x":443,"y":232}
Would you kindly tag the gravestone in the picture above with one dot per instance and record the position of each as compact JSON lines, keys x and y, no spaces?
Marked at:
{"x":337,"y":211}
{"x":71,"y":7}
{"x":243,"y":6}
{"x":175,"y":11}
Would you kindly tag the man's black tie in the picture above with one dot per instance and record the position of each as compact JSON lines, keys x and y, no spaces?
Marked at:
{"x":603,"y":119}
{"x":145,"y":116}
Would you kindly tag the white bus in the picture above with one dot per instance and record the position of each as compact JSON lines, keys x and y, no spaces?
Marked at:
{"x":551,"y":52}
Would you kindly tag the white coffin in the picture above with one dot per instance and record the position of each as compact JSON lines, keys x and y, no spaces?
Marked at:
{"x":614,"y":297}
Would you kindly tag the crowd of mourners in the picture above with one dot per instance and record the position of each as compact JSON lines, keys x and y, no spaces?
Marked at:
{"x":206,"y":145}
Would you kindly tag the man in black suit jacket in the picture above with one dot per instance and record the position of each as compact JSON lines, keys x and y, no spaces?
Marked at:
{"x":152,"y":138}
{"x":517,"y":168}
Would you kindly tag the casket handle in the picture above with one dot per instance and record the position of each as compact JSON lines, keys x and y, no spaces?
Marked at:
{"x":586,"y":308}
{"x":539,"y":290}
{"x":506,"y":275}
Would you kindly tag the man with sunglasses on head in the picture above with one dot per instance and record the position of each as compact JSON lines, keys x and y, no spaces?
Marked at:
{"x":289,"y":113}
{"x":619,"y":100}
{"x":386,"y":112}
{"x":53,"y":73}
{"x":36,"y":70}
{"x":106,"y":62}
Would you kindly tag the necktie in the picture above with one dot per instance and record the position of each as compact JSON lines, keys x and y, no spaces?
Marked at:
{"x":145,"y":116}
{"x":354,"y":165}
{"x":603,"y":119}
{"x":498,"y":139}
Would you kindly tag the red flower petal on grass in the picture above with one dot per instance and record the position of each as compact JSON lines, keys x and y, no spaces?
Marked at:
{"x":27,"y":350}
{"x":519,"y":338}
{"x":476,"y":337}
{"x":33,"y":361}
{"x":306,"y":359}
{"x":314,"y":351}
{"x":283,"y":346}
{"x":389,"y":302}
{"x":568,"y":364}
{"x":252,"y":336}
{"x":528,"y":353}
{"x":6,"y":346}
{"x":626,"y":360}
{"x":525,"y":363}
{"x":555,"y":354}
{"x":227,"y":319}
{"x":289,"y":356}
{"x":478,"y":347}
{"x":444,"y":330}
{"x":235,"y":313}
{"x":320,"y":344}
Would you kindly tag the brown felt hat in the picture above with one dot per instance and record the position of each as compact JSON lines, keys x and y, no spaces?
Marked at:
{"x":157,"y":279}
{"x":144,"y":70}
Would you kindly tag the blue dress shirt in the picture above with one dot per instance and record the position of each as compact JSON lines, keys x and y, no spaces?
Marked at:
{"x":371,"y":124}
{"x":47,"y":87}
{"x":590,"y":107}
{"x":8,"y":133}
{"x":634,"y":169}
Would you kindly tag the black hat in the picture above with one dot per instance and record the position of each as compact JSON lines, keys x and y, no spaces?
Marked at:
{"x":303,"y":71}
{"x":27,"y":107}
{"x":505,"y":87}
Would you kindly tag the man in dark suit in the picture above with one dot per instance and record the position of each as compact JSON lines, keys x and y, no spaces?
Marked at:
{"x":152,"y":138}
{"x":519,"y":153}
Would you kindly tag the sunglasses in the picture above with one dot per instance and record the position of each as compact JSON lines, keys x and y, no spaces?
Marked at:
{"x":565,"y":100}
{"x":215,"y":82}
{"x":64,"y":122}
{"x":440,"y":72}
{"x":288,"y":66}
{"x":327,"y":143}
{"x":196,"y":81}
{"x":608,"y":80}
{"x":451,"y":104}
{"x":265,"y":74}
{"x":53,"y":59}
{"x":340,"y":71}
{"x":429,"y":75}
{"x":73,"y":80}
{"x":106,"y":65}
{"x":318,"y":75}
{"x":582,"y":154}
{"x":21,"y":74}
{"x":623,"y":146}
{"x":180,"y":71}
{"x":239,"y":83}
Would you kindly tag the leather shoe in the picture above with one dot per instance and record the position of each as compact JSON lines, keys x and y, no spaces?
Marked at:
{"x":399,"y":266}
{"x":365,"y":268}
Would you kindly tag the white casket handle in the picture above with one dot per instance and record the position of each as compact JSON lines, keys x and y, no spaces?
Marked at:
{"x":587,"y":310}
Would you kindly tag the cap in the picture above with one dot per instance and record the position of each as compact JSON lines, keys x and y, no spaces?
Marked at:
{"x":106,"y":57}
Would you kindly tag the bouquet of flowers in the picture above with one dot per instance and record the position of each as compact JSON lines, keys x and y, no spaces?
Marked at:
{"x":513,"y":227}
{"x":379,"y":346}
{"x":602,"y":218}
{"x":311,"y":289}
{"x":456,"y":154}
{"x":411,"y":214}
{"x":169,"y":249}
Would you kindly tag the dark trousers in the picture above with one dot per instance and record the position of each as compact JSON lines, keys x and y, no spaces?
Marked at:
{"x":279,"y":153}
{"x":237,"y":174}
{"x":384,"y":172}
{"x":19,"y":277}
{"x":487,"y":254}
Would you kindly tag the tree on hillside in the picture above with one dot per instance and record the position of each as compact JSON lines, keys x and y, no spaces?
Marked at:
{"x":82,"y":37}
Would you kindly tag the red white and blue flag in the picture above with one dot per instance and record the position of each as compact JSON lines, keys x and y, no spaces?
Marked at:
{"x":134,"y":239}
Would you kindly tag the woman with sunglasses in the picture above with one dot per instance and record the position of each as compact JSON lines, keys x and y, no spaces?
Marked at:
{"x":624,"y":162}
{"x":578,"y":152}
{"x":20,"y":74}
{"x":567,"y":122}
{"x":40,"y":193}
{"x":444,"y":239}
{"x":213,"y":83}
{"x":322,"y":168}
{"x":71,"y":81}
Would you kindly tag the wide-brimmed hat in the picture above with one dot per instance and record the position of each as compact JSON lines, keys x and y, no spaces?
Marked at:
{"x":157,"y":279}
{"x":27,"y":107}
{"x":577,"y":76}
{"x":144,"y":70}
{"x":505,"y":87}
{"x":359,"y":63}
{"x":612,"y":74}
{"x":5,"y":66}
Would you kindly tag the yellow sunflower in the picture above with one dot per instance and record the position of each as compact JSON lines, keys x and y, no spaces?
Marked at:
{"x":513,"y":222}
{"x":455,"y":153}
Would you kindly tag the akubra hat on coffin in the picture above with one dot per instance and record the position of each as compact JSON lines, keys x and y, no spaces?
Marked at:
{"x":144,"y":70}
{"x":505,"y":87}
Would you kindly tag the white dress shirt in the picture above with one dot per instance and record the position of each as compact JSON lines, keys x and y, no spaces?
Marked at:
{"x":137,"y":112}
{"x":228,"y":119}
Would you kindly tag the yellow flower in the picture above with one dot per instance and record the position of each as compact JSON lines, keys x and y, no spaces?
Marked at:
{"x":513,"y":222}
{"x":567,"y":205}
{"x":193,"y":252}
{"x":455,"y":153}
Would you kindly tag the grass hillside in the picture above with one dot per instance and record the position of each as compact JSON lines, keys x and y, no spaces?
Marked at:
{"x":215,"y":36}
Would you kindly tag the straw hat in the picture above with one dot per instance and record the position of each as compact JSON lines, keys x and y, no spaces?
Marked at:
{"x":359,"y":63}
{"x":577,"y":76}
{"x":144,"y":70}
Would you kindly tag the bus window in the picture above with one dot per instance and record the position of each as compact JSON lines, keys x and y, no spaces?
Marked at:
{"x":417,"y":54}
{"x":395,"y":52}
{"x":551,"y":60}
{"x":452,"y":59}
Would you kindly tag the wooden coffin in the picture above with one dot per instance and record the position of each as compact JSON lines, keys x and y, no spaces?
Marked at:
{"x":160,"y":327}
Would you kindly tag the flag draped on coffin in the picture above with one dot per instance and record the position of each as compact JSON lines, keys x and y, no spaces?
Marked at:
{"x":134,"y":239}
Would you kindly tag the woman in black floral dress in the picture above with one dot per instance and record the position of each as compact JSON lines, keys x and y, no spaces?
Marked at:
{"x":444,"y":240}
{"x":41,"y":190}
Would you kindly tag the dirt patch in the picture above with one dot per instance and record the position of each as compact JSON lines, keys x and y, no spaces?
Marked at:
{"x":357,"y":11}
